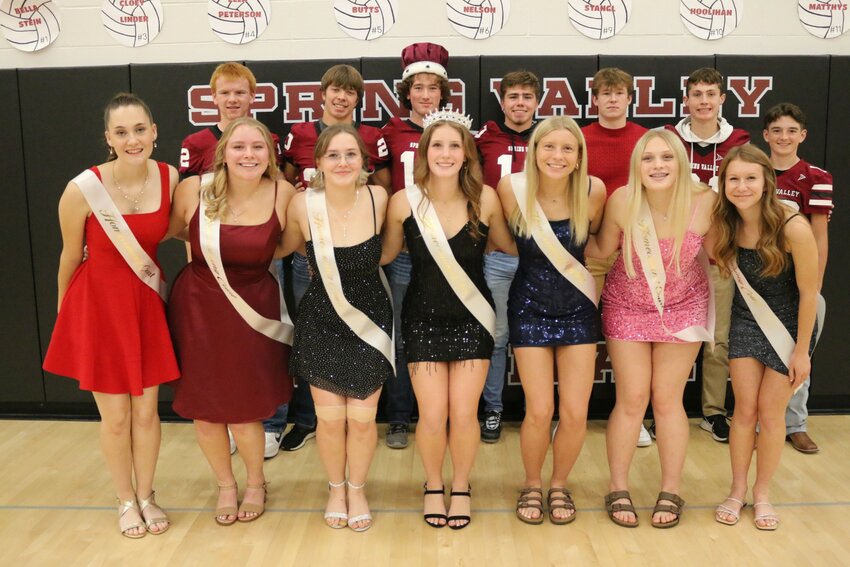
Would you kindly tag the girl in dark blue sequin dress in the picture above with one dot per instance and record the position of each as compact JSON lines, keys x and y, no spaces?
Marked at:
{"x":775,"y":250}
{"x":552,"y":323}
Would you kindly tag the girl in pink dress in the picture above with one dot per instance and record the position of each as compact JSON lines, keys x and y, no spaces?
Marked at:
{"x":654,"y":332}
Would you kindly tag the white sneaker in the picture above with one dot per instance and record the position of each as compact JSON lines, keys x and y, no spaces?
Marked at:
{"x":644,"y":440}
{"x":232,"y":441}
{"x":272,"y":444}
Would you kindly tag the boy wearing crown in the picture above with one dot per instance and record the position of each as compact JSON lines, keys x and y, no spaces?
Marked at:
{"x":502,"y":148}
{"x":424,"y":88}
{"x":342,"y":92}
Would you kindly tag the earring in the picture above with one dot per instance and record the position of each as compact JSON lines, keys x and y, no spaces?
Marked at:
{"x":154,"y":145}
{"x":111,"y":151}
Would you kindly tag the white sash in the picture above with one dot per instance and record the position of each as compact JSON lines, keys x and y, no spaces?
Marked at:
{"x":208,"y":236}
{"x":645,"y":242}
{"x":438,"y":245}
{"x":119,"y":233}
{"x":777,"y":335}
{"x":357,"y":321}
{"x":540,"y":229}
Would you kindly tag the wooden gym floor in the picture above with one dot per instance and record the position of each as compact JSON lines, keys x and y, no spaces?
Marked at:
{"x":56,"y":508}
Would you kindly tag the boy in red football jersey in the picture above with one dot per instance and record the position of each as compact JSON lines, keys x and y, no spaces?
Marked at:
{"x":807,"y":189}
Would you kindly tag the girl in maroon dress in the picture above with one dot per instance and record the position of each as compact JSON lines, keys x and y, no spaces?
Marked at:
{"x":110,"y":331}
{"x":233,"y":373}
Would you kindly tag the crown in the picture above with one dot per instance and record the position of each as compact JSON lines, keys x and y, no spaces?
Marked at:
{"x":449,"y":115}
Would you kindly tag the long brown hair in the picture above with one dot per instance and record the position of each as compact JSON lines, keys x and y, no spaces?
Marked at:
{"x":215,"y":193}
{"x":470,"y":179}
{"x":328,"y":134}
{"x":727,"y":221}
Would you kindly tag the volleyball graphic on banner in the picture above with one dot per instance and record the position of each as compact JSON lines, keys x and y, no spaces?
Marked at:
{"x":239,"y":22}
{"x":478,"y":19}
{"x":29,"y":25}
{"x":600,"y":19}
{"x":711,"y":19}
{"x":365,"y":19}
{"x":133,"y":23}
{"x":823,"y":18}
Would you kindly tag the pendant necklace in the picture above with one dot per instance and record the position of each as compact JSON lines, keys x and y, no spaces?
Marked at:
{"x":134,"y":200}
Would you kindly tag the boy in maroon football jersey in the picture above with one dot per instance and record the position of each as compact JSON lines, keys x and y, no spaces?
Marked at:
{"x":502,"y":148}
{"x":609,"y":142}
{"x":233,"y":87}
{"x":424,"y":88}
{"x":807,"y":189}
{"x":708,"y":137}
{"x":342,"y":91}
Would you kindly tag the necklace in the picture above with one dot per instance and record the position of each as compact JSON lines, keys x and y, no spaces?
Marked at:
{"x":347,"y":214}
{"x":659,"y":213}
{"x":234,"y":214}
{"x":134,"y":200}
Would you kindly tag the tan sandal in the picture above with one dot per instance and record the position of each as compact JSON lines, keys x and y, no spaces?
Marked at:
{"x":154,"y":515}
{"x":613,"y":507}
{"x":530,"y":498}
{"x":127,"y":523}
{"x":256,"y":509}
{"x":559,"y":498}
{"x":223,"y":512}
{"x":675,"y":508}
{"x":731,"y":512}
{"x":770,"y":517}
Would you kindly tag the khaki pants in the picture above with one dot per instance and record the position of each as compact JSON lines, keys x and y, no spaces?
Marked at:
{"x":715,"y":364}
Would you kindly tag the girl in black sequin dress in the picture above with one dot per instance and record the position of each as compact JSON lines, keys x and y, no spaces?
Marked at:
{"x":447,"y":348}
{"x":551,"y":321}
{"x":775,"y":250}
{"x":344,"y":372}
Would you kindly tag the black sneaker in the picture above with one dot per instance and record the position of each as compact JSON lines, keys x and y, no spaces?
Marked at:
{"x":296,"y":437}
{"x":397,"y":435}
{"x":717,"y":426}
{"x":491,"y":427}
{"x":652,"y":429}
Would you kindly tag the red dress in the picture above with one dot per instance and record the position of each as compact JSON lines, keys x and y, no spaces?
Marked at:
{"x":231,"y":372}
{"x":111,"y":334}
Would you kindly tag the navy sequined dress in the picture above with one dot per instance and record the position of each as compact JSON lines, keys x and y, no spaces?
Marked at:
{"x":544,"y":308}
{"x":746,"y":339}
{"x":435,"y":325}
{"x":325,"y":352}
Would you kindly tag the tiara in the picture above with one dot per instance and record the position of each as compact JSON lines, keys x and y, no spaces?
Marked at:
{"x":449,"y":115}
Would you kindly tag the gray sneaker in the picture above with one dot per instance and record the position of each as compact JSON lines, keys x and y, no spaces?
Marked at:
{"x":491,"y":427}
{"x":397,"y":435}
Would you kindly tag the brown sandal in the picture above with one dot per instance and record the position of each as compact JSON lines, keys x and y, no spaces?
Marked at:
{"x":530,"y":498}
{"x":611,"y":507}
{"x":675,"y":508}
{"x":256,"y":510}
{"x":559,"y":498}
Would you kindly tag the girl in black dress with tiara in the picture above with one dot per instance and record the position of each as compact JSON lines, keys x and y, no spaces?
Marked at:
{"x":771,"y":253}
{"x":446,"y":218}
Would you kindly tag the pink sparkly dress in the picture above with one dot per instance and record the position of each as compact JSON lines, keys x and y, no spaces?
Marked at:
{"x":630,"y":314}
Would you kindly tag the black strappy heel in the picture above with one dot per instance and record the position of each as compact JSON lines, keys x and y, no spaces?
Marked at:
{"x":426,"y":517}
{"x":468,"y":519}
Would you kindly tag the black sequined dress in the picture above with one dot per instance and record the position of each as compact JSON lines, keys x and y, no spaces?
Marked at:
{"x":435,"y":325}
{"x":746,"y":339}
{"x":325,"y":352}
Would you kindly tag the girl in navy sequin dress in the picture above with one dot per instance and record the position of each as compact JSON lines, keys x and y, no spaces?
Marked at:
{"x":447,"y":348}
{"x":652,"y":353}
{"x":775,"y":250}
{"x":345,"y":373}
{"x":551,"y":321}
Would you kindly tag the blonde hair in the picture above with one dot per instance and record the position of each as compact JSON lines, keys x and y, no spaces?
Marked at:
{"x":470,"y":178}
{"x":727,"y":219}
{"x":215,"y":193}
{"x":680,"y":204}
{"x":577,"y":183}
